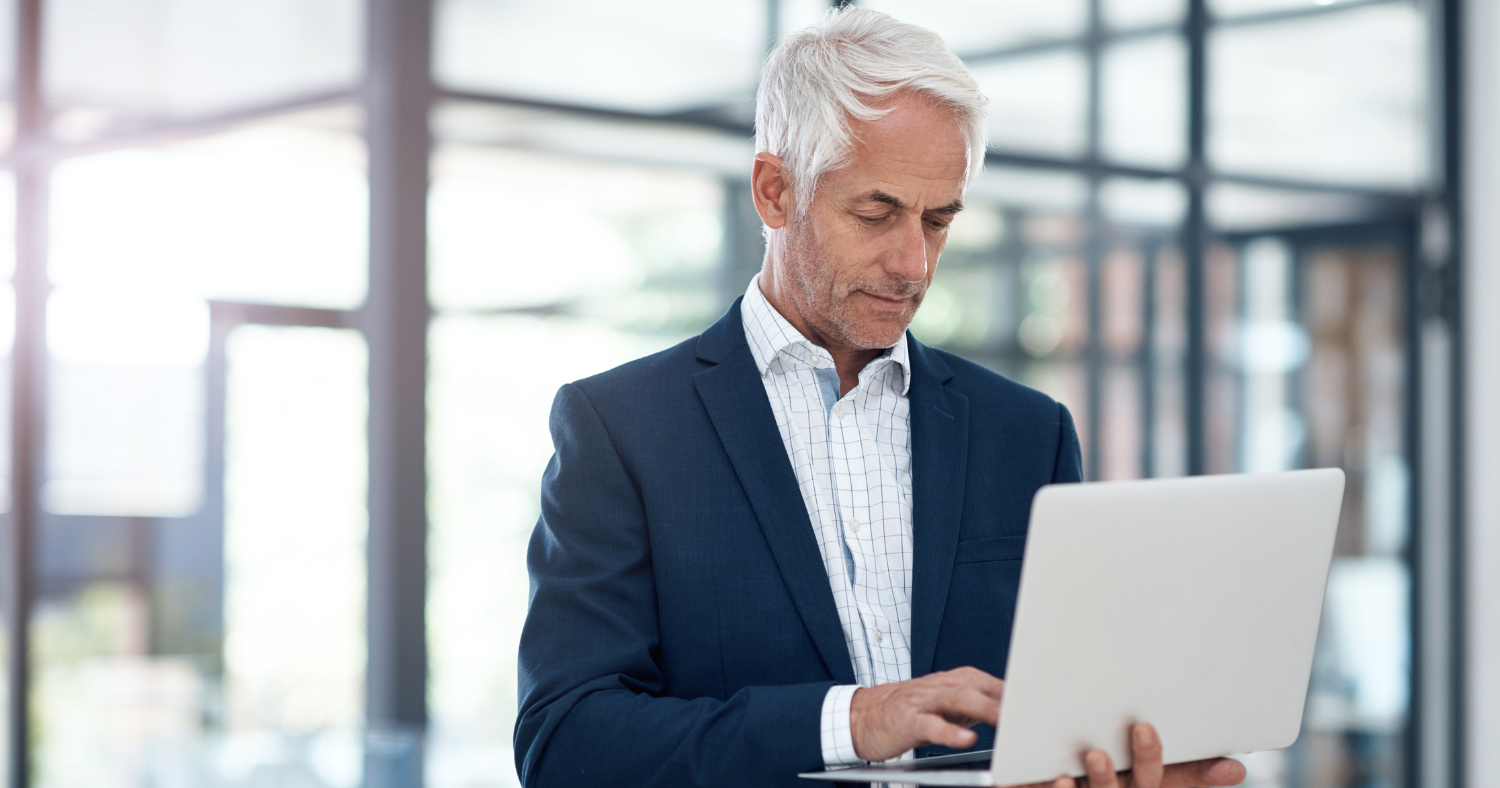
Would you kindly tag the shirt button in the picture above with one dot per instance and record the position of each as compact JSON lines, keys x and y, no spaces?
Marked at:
{"x":854,"y":524}
{"x":879,"y":638}
{"x":838,"y":410}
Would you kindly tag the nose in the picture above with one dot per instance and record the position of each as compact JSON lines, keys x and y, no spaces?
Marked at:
{"x":908,"y":255}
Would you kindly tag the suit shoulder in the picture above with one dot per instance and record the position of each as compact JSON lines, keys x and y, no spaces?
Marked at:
{"x":647,"y":375}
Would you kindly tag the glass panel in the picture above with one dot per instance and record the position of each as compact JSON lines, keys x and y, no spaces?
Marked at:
{"x":169,"y":653}
{"x":7,"y":72}
{"x":974,"y":26}
{"x":294,"y":555}
{"x":1129,"y":202}
{"x":656,"y":57}
{"x":1312,"y":372}
{"x":798,"y":14}
{"x":7,"y":225}
{"x":1037,"y":102}
{"x":1144,"y":108}
{"x":113,"y":64}
{"x":653,"y":234}
{"x":1267,"y":346}
{"x":1333,"y":97}
{"x":1166,"y":453}
{"x":1130,"y":14}
{"x":125,"y":402}
{"x":1122,"y":284}
{"x":1221,"y":409}
{"x":7,"y":340}
{"x":272,"y":213}
{"x":644,"y":266}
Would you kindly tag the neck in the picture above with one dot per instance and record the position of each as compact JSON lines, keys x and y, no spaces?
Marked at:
{"x":847,"y":359}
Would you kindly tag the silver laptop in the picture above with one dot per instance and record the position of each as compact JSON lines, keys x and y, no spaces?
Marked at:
{"x":1192,"y":604}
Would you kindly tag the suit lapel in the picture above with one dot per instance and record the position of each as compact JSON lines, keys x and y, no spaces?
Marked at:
{"x":735,"y":398}
{"x":939,"y":453}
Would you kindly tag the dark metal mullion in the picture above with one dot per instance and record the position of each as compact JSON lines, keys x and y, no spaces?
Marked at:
{"x":1417,"y":556}
{"x":28,"y":389}
{"x":394,"y":319}
{"x":1454,"y":138}
{"x":1093,"y":251}
{"x":1195,"y":236}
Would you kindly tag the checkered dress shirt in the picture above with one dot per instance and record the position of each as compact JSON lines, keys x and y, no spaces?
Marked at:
{"x":852,"y":458}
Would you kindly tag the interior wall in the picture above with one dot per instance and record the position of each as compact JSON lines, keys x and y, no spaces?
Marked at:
{"x":1482,"y":369}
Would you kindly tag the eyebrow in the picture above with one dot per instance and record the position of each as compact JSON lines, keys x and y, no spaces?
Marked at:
{"x":947,"y":210}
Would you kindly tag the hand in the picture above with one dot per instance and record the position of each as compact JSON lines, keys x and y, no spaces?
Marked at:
{"x":939,"y":708}
{"x":1149,"y":772}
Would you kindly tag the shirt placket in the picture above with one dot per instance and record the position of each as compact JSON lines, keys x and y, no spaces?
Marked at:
{"x":853,"y":506}
{"x":825,"y":466}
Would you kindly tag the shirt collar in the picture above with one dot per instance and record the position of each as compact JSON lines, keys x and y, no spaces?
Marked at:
{"x":768,"y":334}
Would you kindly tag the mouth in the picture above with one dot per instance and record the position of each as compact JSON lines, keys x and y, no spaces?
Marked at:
{"x":886,"y":304}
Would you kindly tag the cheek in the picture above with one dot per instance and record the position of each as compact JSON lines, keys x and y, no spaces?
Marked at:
{"x":935,"y":248}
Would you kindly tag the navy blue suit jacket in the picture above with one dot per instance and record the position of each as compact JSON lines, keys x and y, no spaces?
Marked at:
{"x":682,"y":630}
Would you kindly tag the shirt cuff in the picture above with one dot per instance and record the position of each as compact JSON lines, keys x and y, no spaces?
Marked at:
{"x":838,"y":739}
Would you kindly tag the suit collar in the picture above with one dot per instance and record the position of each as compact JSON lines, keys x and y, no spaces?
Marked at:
{"x":735,"y":398}
{"x":939,"y":459}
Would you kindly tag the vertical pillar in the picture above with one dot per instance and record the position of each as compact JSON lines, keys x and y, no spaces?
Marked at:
{"x":1195,"y":237}
{"x":1474,"y":85}
{"x":28,"y":368}
{"x":394,"y":320}
{"x":1093,"y":250}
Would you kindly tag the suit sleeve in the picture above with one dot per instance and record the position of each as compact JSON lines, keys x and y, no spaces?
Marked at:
{"x":1068,"y":465}
{"x":594,"y":708}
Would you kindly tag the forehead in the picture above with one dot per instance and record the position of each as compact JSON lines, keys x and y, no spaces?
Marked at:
{"x":918,"y":149}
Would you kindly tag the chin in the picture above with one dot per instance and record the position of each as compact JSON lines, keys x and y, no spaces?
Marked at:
{"x":876,"y":334}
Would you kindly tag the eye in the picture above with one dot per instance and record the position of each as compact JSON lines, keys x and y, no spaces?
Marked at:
{"x":871,"y":219}
{"x":939,"y":225}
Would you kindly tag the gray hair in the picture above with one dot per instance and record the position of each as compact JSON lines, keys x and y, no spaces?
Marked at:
{"x":816,"y":79}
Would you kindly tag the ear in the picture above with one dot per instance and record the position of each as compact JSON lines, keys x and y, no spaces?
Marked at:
{"x":771,"y":187}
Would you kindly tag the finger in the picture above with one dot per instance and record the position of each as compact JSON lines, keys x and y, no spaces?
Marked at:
{"x":1211,"y":773}
{"x":1221,"y":772}
{"x":977,"y":679}
{"x":969,"y":704}
{"x":1100,"y":769}
{"x":1146,"y":743}
{"x":932,"y":729}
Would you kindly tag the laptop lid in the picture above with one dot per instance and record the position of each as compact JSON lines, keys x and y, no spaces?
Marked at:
{"x":1189,"y":603}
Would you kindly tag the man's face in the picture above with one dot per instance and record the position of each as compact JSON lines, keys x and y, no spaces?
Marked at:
{"x":857,"y":265}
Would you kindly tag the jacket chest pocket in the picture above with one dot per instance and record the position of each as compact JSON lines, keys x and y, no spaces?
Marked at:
{"x":1000,"y":548}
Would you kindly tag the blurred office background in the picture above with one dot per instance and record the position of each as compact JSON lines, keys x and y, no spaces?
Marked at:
{"x":290,"y":285}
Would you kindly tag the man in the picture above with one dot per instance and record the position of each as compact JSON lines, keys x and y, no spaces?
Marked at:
{"x":794,"y":541}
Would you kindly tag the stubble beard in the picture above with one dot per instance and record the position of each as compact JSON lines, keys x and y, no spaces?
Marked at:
{"x":830,"y":305}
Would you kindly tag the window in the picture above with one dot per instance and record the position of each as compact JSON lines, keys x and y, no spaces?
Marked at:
{"x":193,"y":296}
